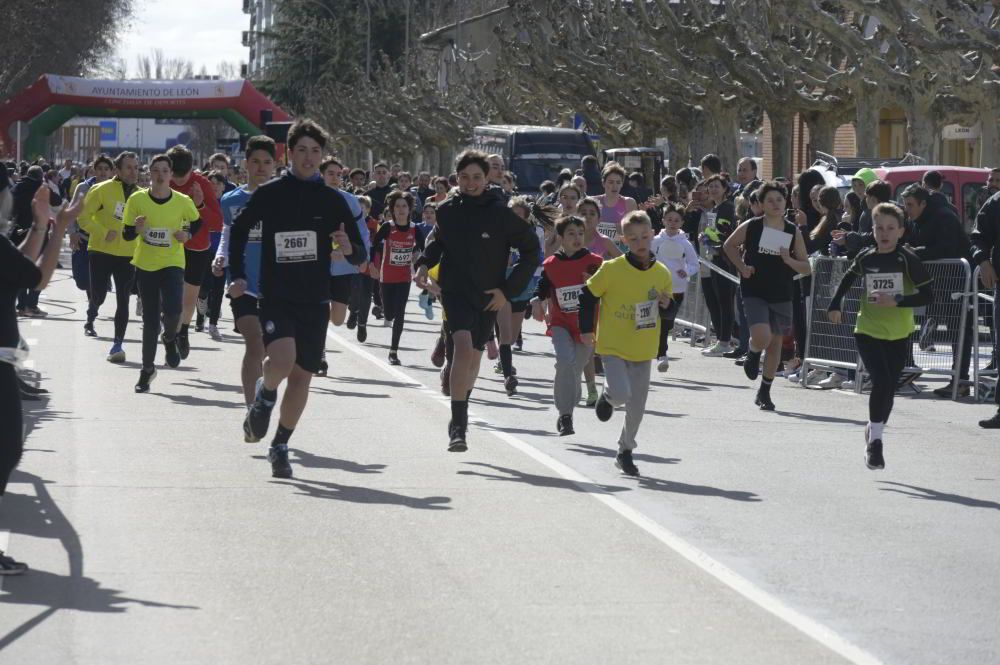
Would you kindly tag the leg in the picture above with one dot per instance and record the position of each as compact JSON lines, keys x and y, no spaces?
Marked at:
{"x":566,"y":385}
{"x":123,"y":274}
{"x":724,"y":290}
{"x":218,"y":287}
{"x":12,"y":432}
{"x":635,"y":407}
{"x":799,"y":293}
{"x":279,"y":362}
{"x":293,"y":401}
{"x":149,"y":291}
{"x":338,"y":313}
{"x":172,"y":294}
{"x":873,"y":354}
{"x":617,"y":387}
{"x":712,"y":302}
{"x":253,"y":354}
{"x":895,"y":354}
{"x":101,"y":269}
{"x":744,"y":325}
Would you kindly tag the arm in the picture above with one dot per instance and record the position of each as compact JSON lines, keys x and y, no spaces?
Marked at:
{"x":799,"y":265}
{"x":846,"y":282}
{"x":588,"y":307}
{"x":88,"y":217}
{"x":348,"y":233}
{"x":923,"y":297}
{"x":32,"y":244}
{"x":544,"y":287}
{"x":239,"y":234}
{"x":732,"y":249}
{"x":377,"y":242}
{"x":690,"y":258}
{"x":521,"y":236}
{"x":222,"y":253}
{"x":210,"y":210}
{"x":50,"y":257}
{"x":984,"y":236}
{"x":610,"y":248}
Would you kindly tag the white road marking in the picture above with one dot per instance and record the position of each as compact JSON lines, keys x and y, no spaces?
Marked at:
{"x":31,"y":341}
{"x":763,"y":599}
{"x":36,"y":323}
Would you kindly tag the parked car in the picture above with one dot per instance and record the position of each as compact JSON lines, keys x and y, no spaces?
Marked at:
{"x":534,"y":154}
{"x":962,"y":185}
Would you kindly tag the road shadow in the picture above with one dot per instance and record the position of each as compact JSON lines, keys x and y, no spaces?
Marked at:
{"x":819,"y":418}
{"x":36,"y":414}
{"x":325,"y":490}
{"x":651,"y":483}
{"x":39,"y":516}
{"x":512,"y":430}
{"x":311,"y":461}
{"x":344,"y":393}
{"x":212,"y":385}
{"x":691,"y":384}
{"x":597,"y":451}
{"x":365,"y":381}
{"x":934,"y":495}
{"x":191,"y":400}
{"x":513,"y":475}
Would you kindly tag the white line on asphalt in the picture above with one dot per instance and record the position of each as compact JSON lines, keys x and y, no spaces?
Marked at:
{"x":36,"y":323}
{"x":766,"y":601}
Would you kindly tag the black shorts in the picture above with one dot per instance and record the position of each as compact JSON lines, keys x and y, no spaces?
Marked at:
{"x":340,"y":288}
{"x":245,"y":305}
{"x":463,"y":315}
{"x":305,"y":323}
{"x":196,"y":266}
{"x":519,"y":306}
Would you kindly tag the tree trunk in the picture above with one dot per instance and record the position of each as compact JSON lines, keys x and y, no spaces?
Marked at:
{"x":727,"y":134}
{"x":781,"y":143}
{"x":866,"y":125}
{"x":922,"y":132}
{"x":702,"y":136}
{"x":822,"y":128}
{"x":990,"y":133}
{"x":680,"y":150}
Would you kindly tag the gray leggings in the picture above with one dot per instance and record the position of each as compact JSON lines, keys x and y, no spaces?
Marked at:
{"x":627,"y":383}
{"x":570,"y":360}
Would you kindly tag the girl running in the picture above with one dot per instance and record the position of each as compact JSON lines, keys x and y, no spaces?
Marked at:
{"x":674,"y":250}
{"x":614,"y":206}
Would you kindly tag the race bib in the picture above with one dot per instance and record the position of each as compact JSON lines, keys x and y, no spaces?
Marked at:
{"x":609,"y":229}
{"x":646,"y":315}
{"x":158,"y":237}
{"x":672,"y":251}
{"x":568,"y":298}
{"x":400,"y":256}
{"x":295,"y":246}
{"x":120,"y":210}
{"x":890,"y":283}
{"x":256,"y":232}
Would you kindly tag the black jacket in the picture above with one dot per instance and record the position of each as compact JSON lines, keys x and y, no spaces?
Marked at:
{"x":986,"y":234}
{"x":22,"y":194}
{"x":938,"y":233}
{"x":289,"y":204}
{"x":472,"y":242}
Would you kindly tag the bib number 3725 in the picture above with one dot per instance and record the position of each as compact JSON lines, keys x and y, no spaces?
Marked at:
{"x":295,"y":246}
{"x":890,"y":283}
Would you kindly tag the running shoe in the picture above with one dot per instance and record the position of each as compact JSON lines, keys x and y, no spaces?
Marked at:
{"x":36,"y":313}
{"x":510,"y":385}
{"x":991,"y":423}
{"x":831,"y":382}
{"x":945,"y":391}
{"x":88,"y":329}
{"x":183,"y":345}
{"x":624,"y":462}
{"x":492,"y":353}
{"x":438,"y":355}
{"x":716,"y":350}
{"x":591,"y":396}
{"x":202,"y":306}
{"x":446,"y":382}
{"x":738,"y":352}
{"x":146,"y":376}
{"x":519,"y":344}
{"x":323,"y":367}
{"x":873,"y":455}
{"x":456,"y":439}
{"x":662,"y":364}
{"x":199,"y":323}
{"x":278,"y":457}
{"x":258,"y":417}
{"x":603,"y":408}
{"x":117,"y":353}
{"x":926,"y":332}
{"x":8,"y":566}
{"x":362,"y":333}
{"x":173,"y":354}
{"x":213,"y":332}
{"x":751,"y":366}
{"x":352,"y":321}
{"x":497,"y":368}
{"x":764,"y":402}
{"x":377,"y":311}
{"x":394,"y":359}
{"x":795,"y":376}
{"x":813,"y":377}
{"x":565,"y":425}
{"x":425,"y":304}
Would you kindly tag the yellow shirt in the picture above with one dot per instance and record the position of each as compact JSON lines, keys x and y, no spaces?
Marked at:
{"x":156,"y":247}
{"x":103,"y":211}
{"x":628,"y":325}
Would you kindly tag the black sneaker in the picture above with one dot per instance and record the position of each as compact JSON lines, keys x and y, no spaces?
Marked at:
{"x":183,"y":345}
{"x":324,"y":367}
{"x":456,"y":435}
{"x":173,"y":354}
{"x":278,"y":457}
{"x":873,"y":455}
{"x":258,"y":417}
{"x":624,"y":462}
{"x":603,"y":408}
{"x":751,"y":366}
{"x":438,"y":354}
{"x":352,"y":321}
{"x":394,"y":359}
{"x":446,"y":381}
{"x":510,"y":385}
{"x":199,"y":323}
{"x":8,"y":566}
{"x":362,"y":333}
{"x":945,"y":391}
{"x":734,"y":354}
{"x":88,"y":329}
{"x":764,"y":401}
{"x":926,"y":333}
{"x":146,"y":376}
{"x":991,"y":423}
{"x":565,"y":425}
{"x":377,"y":312}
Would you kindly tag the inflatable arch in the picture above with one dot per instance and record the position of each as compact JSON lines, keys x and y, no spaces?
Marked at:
{"x":51,"y":101}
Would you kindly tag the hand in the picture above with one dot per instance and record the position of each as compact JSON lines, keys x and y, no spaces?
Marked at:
{"x":987,"y":274}
{"x":587,"y":339}
{"x":682,"y":273}
{"x":800,"y":218}
{"x":197,"y":196}
{"x":343,"y":242}
{"x":497,"y":300}
{"x":182,"y":236}
{"x":40,"y":207}
{"x":834,"y":316}
{"x":140,"y":223}
{"x":363,"y":268}
{"x":420,"y":279}
{"x":746,"y":271}
{"x":219,"y":266}
{"x":111,"y":235}
{"x":336,"y":255}
{"x":882,"y":299}
{"x":665,"y":298}
{"x":839,"y":237}
{"x":74,"y":241}
{"x":237,"y":288}
{"x":433,"y":288}
{"x":538,"y":311}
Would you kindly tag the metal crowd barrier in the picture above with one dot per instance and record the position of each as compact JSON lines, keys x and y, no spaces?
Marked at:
{"x":983,"y":380}
{"x":694,"y":312}
{"x":938,"y":337}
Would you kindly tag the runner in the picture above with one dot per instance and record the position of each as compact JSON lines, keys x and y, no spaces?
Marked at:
{"x":613,"y":205}
{"x":717,"y":222}
{"x":363,"y":285}
{"x":629,"y":289}
{"x":674,"y":250}
{"x":563,"y":276}
{"x":475,"y":234}
{"x":197,"y":253}
{"x":165,"y":220}
{"x":895,"y":281}
{"x":213,"y":287}
{"x":301,"y":219}
{"x":260,"y":161}
{"x":773,"y":250}
{"x":394,"y":250}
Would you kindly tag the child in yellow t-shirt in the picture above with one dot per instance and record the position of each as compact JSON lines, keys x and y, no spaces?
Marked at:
{"x":630,"y":290}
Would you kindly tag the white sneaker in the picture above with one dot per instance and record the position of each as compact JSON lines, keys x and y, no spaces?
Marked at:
{"x":202,"y":306}
{"x":716,"y":350}
{"x":795,"y":376}
{"x":848,"y":385}
{"x":213,"y":332}
{"x":662,"y":364}
{"x":831,"y":382}
{"x":813,"y":377}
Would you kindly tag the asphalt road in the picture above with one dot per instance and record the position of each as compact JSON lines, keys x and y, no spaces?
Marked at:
{"x":155,"y":535}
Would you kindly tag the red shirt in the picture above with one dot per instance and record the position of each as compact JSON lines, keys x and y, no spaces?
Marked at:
{"x":394,"y":249}
{"x":566,"y":278}
{"x":211,"y":212}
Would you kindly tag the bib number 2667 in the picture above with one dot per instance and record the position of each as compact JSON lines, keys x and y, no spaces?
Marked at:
{"x":295,"y":246}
